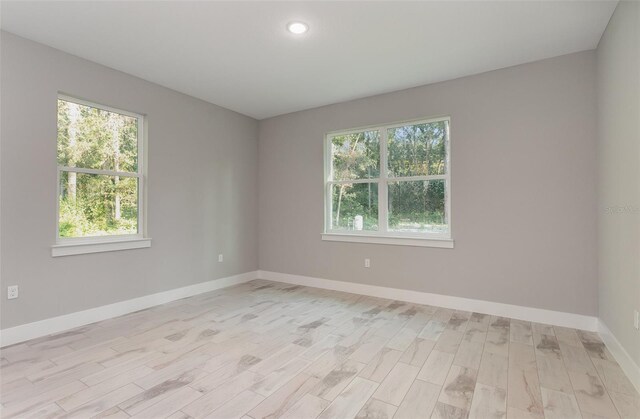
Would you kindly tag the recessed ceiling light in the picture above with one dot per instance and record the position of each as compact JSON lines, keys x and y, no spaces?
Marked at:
{"x":297,"y":28}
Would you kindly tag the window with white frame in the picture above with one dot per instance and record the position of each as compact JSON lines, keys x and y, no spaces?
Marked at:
{"x":100,"y":173}
{"x":389,"y":181}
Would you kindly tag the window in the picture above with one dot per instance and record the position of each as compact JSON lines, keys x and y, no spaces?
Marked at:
{"x":389,"y":184}
{"x":100,"y":178}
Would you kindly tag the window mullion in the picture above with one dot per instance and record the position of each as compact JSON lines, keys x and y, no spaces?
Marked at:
{"x":447,"y":186}
{"x":383,"y":219}
{"x":97,"y":171}
{"x":352,"y":181}
{"x":419,"y":178}
{"x":328,"y":177}
{"x":141,"y":161}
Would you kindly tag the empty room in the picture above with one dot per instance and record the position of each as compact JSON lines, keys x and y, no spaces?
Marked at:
{"x":329,"y":209}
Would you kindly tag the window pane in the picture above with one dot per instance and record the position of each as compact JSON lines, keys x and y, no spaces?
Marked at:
{"x":93,"y":138}
{"x":97,"y":205}
{"x":418,"y":150}
{"x":417,"y":206}
{"x":355,"y":206}
{"x":356,"y":156}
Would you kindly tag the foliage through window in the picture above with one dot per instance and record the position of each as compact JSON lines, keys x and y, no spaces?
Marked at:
{"x":389,"y":180}
{"x":99,"y":171}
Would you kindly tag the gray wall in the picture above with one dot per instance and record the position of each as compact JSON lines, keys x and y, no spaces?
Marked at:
{"x":523,"y":143}
{"x":619,"y":174}
{"x":202,"y":195}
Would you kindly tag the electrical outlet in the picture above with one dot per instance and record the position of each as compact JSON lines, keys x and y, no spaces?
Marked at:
{"x":220,"y":258}
{"x":367,"y":263}
{"x":12,"y":292}
{"x":636,"y":319}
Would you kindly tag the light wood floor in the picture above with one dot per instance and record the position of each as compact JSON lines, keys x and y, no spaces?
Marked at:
{"x":267,"y":350}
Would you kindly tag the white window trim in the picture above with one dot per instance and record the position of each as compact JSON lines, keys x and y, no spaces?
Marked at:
{"x":383,"y":236}
{"x":114,"y":243}
{"x":377,"y":239}
{"x":66,"y":246}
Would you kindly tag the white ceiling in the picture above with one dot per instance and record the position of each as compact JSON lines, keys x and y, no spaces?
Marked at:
{"x":239,"y":55}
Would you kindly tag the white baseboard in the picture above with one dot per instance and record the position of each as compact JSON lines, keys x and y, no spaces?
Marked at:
{"x":556,"y":318}
{"x":45,"y":327}
{"x":625,"y":361}
{"x":69,"y":321}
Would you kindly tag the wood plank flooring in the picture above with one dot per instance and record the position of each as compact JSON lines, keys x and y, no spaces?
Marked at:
{"x":271,"y":350}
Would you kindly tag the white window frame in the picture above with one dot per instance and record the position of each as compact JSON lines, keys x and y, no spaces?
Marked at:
{"x":383,"y":236}
{"x":65,"y":246}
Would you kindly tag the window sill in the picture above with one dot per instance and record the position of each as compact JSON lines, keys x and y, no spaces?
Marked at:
{"x":400,"y":241}
{"x":69,"y":249}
